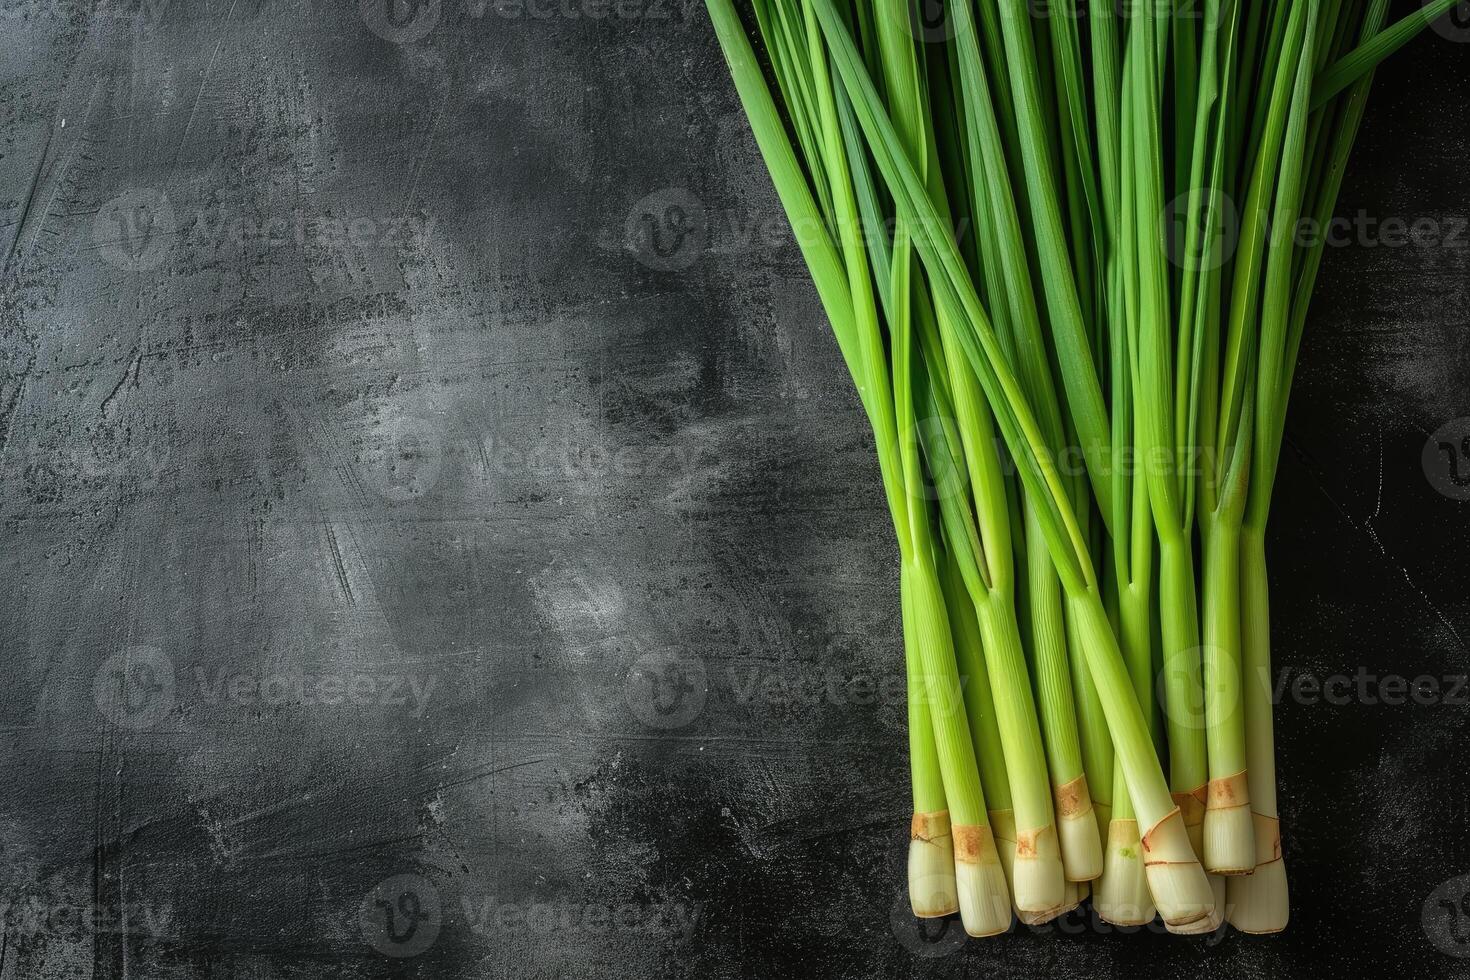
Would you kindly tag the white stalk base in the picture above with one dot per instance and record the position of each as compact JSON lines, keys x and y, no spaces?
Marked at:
{"x":1121,"y":895}
{"x":985,"y":900}
{"x":1259,"y":903}
{"x":1082,"y":857}
{"x":1213,"y":921}
{"x":1229,"y":832}
{"x":932,"y":890}
{"x":1036,"y":873}
{"x":1072,"y":897}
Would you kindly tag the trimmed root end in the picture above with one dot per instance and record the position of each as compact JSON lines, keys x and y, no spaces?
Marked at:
{"x":932,"y":891}
{"x":984,"y":899}
{"x":1036,"y":873}
{"x":1181,"y":891}
{"x":1082,"y":857}
{"x":1071,"y":898}
{"x":1121,"y":895}
{"x":1207,"y":925}
{"x":1259,"y":903}
{"x":1229,"y":833}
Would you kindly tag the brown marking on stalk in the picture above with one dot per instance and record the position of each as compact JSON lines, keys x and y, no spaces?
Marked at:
{"x":929,"y":827}
{"x":1122,"y":833}
{"x":971,"y":843}
{"x":1267,"y":829}
{"x":1161,"y":838}
{"x":1228,"y":792}
{"x":1003,"y":825}
{"x":1026,"y":842}
{"x":1192,"y":804}
{"x":1073,"y":798}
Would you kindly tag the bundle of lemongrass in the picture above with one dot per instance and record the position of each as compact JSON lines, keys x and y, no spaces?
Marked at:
{"x":1016,"y":218}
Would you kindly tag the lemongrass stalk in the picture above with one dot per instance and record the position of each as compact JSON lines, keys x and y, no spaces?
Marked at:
{"x":932,"y":883}
{"x":1092,"y":731}
{"x":1260,"y":903}
{"x":984,"y":898}
{"x":1176,"y":879}
{"x":1229,"y":841}
{"x":1092,"y":727}
{"x":978,"y":695}
{"x":1200,"y":308}
{"x":1152,"y":365}
{"x":1038,"y":874}
{"x":933,"y":889}
{"x":1122,"y":896}
{"x":1081,"y":849}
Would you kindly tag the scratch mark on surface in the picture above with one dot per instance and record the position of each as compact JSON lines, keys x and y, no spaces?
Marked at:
{"x":1367,"y":529}
{"x":25,"y":217}
{"x":339,"y":566}
{"x":25,"y":210}
{"x":14,"y":407}
{"x":1378,"y":504}
{"x":203,"y":83}
{"x":131,"y":373}
{"x":423,"y":155}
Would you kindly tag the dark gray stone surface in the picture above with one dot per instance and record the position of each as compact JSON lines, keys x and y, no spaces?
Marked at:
{"x":413,"y":568}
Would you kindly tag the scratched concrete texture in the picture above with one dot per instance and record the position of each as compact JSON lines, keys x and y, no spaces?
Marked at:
{"x":438,"y":538}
